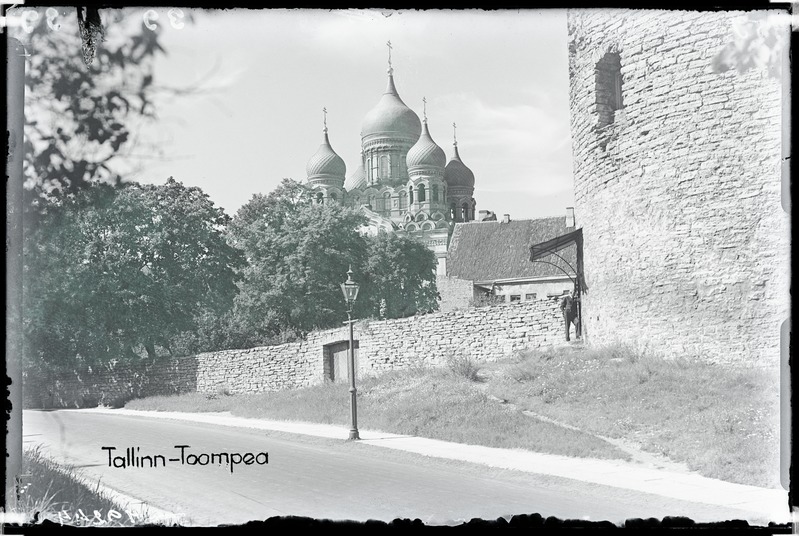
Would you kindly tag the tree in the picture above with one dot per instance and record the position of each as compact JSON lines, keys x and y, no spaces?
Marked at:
{"x":298,"y":254}
{"x":758,"y":43}
{"x":118,"y":271}
{"x":81,"y":117}
{"x":400,"y":277}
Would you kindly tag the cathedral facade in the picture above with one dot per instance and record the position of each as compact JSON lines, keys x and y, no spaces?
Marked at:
{"x":404,"y":183}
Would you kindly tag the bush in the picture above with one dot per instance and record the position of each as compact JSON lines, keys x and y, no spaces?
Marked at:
{"x":463,"y":365}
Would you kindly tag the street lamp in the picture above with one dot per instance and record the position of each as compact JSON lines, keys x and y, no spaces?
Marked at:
{"x":350,"y":290}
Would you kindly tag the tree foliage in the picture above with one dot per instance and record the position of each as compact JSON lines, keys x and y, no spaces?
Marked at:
{"x":758,"y":43}
{"x":81,"y":119}
{"x":117,"y":272}
{"x":299,"y":252}
{"x":400,"y":277}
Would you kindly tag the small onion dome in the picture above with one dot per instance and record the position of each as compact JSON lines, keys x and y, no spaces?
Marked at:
{"x":457,"y":174}
{"x":425,"y":153}
{"x":325,"y":164}
{"x":356,"y":180}
{"x":391,"y":117}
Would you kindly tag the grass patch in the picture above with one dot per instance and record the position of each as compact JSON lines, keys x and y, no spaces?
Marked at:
{"x":60,"y":494}
{"x":721,"y":421}
{"x":434,"y":403}
{"x":463,"y":365}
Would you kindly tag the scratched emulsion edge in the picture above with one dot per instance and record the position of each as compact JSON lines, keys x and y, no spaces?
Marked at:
{"x":783,"y":347}
{"x":15,"y":91}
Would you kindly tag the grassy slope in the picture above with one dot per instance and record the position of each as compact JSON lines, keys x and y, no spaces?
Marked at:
{"x":50,"y":490}
{"x":722,"y":422}
{"x":430,"y":403}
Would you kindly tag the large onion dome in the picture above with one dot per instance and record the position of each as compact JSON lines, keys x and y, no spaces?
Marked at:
{"x":425,"y":153}
{"x":325,"y":164}
{"x":457,"y":174}
{"x":391,"y":117}
{"x":356,"y":180}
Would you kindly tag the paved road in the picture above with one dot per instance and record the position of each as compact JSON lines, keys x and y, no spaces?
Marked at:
{"x":320,"y":478}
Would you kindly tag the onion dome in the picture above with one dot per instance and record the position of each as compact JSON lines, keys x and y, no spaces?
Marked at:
{"x":356,"y":180}
{"x":457,"y":174}
{"x":391,"y":117}
{"x":325,"y":164}
{"x":425,"y":153}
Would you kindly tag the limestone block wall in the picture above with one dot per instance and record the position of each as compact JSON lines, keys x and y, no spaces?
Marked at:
{"x":111,"y":385}
{"x":484,"y":334}
{"x":686,"y":244}
{"x":267,"y":368}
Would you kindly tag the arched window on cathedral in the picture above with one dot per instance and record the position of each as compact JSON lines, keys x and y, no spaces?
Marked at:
{"x":373,"y":170}
{"x":422,"y":196}
{"x":387,"y":201}
{"x":384,"y":167}
{"x":396,"y":170}
{"x":403,"y":200}
{"x":452,"y":212}
{"x":465,"y":212}
{"x":333,"y":197}
{"x":372,"y":202}
{"x":434,"y":193}
{"x":410,"y":195}
{"x":320,"y":198}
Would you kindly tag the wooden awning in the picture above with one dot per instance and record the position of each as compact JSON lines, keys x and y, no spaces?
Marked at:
{"x":538,"y":252}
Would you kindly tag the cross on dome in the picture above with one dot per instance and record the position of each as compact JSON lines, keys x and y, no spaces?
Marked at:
{"x":324,"y":111}
{"x":424,"y":108}
{"x":390,"y":69}
{"x":454,"y":135}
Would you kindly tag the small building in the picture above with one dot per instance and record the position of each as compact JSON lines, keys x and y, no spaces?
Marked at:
{"x":494,"y":255}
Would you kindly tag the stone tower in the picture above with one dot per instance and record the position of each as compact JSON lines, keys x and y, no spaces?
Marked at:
{"x":677,"y":173}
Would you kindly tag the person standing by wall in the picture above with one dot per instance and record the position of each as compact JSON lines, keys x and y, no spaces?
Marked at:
{"x":568,"y":306}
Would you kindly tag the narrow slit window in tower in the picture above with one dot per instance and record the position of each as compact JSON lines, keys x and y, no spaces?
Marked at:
{"x":608,"y":88}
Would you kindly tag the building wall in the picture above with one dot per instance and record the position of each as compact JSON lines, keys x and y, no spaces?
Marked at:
{"x":483,"y":333}
{"x":541,"y":289}
{"x":686,"y":243}
{"x":455,"y":293}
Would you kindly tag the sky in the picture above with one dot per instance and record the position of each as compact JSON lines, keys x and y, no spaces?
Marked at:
{"x":266,"y":75}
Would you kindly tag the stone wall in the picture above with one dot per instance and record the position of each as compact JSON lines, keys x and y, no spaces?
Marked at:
{"x":455,"y":293}
{"x":110,"y":385}
{"x":687,"y":247}
{"x":484,"y":334}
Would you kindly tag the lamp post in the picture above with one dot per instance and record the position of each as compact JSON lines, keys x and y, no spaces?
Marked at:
{"x":350,"y":290}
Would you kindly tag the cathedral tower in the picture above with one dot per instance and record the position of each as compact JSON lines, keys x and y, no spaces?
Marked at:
{"x":326,"y":171}
{"x":460,"y":186}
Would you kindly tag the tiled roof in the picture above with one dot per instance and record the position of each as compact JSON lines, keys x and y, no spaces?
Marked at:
{"x":492,"y":250}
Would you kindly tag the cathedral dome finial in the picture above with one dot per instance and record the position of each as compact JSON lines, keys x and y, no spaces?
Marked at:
{"x":425,"y":153}
{"x":456,"y":173}
{"x":391,"y":118}
{"x":390,"y":69}
{"x":326,"y":165}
